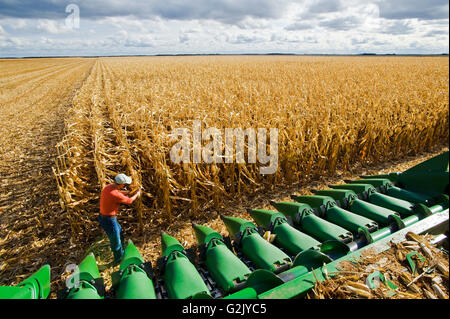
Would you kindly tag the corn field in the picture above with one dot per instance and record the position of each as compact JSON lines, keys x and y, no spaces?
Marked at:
{"x":331,"y":112}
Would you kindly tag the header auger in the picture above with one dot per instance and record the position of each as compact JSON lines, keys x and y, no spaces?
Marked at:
{"x":311,"y":233}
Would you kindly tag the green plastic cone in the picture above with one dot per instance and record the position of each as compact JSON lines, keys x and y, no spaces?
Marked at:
{"x":169,"y":244}
{"x":131,"y":256}
{"x":205,"y":234}
{"x":264,"y":217}
{"x":236,"y":224}
{"x":88,"y":268}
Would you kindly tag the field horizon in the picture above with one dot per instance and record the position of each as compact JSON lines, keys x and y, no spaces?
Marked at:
{"x":231,"y":54}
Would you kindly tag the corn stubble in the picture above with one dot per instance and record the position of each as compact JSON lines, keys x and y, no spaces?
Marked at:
{"x":332,"y":113}
{"x":429,"y":282}
{"x":34,"y":95}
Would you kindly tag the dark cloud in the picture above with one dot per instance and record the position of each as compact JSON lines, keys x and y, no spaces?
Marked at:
{"x":310,"y":39}
{"x":42,"y":9}
{"x":398,"y":27}
{"x":359,"y":41}
{"x":226,"y":11}
{"x":341,"y":24}
{"x":299,"y":26}
{"x":414,"y":45}
{"x":379,"y":43}
{"x":319,"y":8}
{"x":138,"y":44}
{"x":282,"y":39}
{"x":183,"y":38}
{"x":410,"y":9}
{"x":252,"y":24}
{"x":435,"y":33}
{"x":245,"y":39}
{"x":325,"y":6}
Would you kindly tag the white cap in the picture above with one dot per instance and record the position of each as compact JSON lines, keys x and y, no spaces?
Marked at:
{"x":122,"y":179}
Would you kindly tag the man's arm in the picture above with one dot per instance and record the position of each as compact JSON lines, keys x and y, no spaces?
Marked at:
{"x":123,"y":199}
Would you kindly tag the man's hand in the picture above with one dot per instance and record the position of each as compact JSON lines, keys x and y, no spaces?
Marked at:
{"x":136,"y":195}
{"x":134,"y":192}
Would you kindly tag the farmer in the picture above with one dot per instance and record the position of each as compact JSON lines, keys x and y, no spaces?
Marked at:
{"x":112,"y":196}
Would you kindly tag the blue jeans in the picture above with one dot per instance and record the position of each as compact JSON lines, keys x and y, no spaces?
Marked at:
{"x":115,"y":235}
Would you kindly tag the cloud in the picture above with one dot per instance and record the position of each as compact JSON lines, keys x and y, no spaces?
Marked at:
{"x":11,"y":42}
{"x":310,"y":39}
{"x":183,"y":38}
{"x":16,"y":24}
{"x":139,"y":43}
{"x":325,"y":6}
{"x":398,"y":27}
{"x":109,"y":27}
{"x":138,"y":26}
{"x":434,"y":33}
{"x":245,"y":39}
{"x":226,"y":11}
{"x":342,"y":23}
{"x":379,"y":43}
{"x":136,"y":40}
{"x":41,"y":9}
{"x":250,"y":23}
{"x":410,"y":9}
{"x":52,"y":26}
{"x":299,"y":26}
{"x":356,"y":41}
{"x":275,"y":37}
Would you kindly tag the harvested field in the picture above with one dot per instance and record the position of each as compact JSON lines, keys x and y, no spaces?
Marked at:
{"x":337,"y":117}
{"x":35,"y":95}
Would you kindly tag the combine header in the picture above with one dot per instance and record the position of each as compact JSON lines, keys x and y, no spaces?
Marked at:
{"x":284,"y":252}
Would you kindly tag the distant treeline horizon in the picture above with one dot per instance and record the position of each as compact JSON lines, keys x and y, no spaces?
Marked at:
{"x":223,"y":54}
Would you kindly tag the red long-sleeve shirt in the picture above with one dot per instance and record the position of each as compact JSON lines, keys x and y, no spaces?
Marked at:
{"x":110,"y":200}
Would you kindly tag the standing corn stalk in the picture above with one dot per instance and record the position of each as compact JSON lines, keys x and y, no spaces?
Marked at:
{"x":331,"y":113}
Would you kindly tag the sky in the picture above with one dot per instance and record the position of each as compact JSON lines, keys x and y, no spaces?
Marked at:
{"x":136,"y":27}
